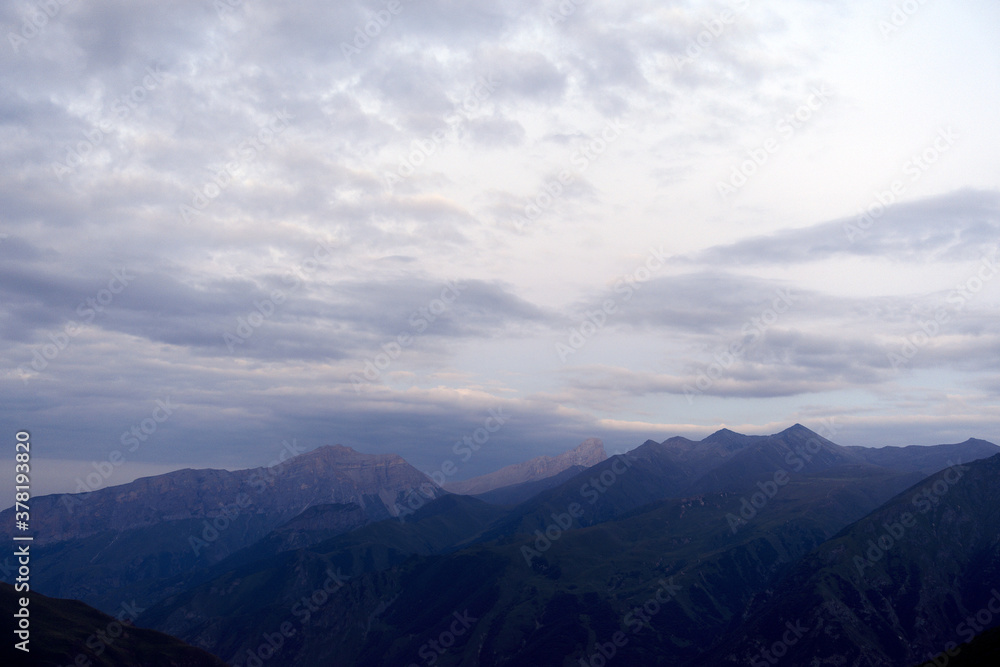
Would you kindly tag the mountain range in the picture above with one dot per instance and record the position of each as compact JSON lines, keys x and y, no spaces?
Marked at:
{"x":731,"y":550}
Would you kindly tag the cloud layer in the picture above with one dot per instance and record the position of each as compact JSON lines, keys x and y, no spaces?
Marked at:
{"x":370,"y":223}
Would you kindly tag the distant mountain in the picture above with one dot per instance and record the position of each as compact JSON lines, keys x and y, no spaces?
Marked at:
{"x":724,"y":461}
{"x":131,"y":540}
{"x":329,"y":474}
{"x":677,"y":468}
{"x":588,"y":453}
{"x":926,"y":459}
{"x":68,"y":632}
{"x":518,"y":493}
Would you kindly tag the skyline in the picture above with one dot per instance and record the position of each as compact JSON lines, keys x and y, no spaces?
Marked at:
{"x":235,"y":226}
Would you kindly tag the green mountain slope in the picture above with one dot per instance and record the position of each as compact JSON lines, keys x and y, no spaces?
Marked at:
{"x":894,"y":587}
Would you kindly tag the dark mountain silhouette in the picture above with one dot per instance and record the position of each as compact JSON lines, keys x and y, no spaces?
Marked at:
{"x":927,"y":460}
{"x":983,"y":650}
{"x":68,"y":632}
{"x":732,"y":537}
{"x":549,"y":597}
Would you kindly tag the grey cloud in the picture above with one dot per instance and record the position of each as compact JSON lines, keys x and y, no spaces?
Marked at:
{"x":353,"y":119}
{"x":525,"y":75}
{"x":959,"y":226}
{"x":497,"y":132}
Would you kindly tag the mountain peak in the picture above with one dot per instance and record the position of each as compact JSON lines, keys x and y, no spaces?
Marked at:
{"x":339,"y":454}
{"x":728,"y":438}
{"x":800,"y":430}
{"x":587,"y":453}
{"x":723,"y":433}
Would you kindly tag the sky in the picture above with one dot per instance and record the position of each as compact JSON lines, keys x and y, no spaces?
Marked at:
{"x":232,"y":230}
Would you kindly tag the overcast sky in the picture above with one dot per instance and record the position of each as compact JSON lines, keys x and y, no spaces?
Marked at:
{"x":373,"y":223}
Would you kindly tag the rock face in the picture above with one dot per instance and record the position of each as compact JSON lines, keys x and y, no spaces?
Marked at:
{"x":135,"y":539}
{"x":589,"y":452}
{"x":329,"y":474}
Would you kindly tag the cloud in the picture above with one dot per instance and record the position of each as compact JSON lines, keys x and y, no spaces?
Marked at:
{"x":145,"y":136}
{"x":959,"y":226}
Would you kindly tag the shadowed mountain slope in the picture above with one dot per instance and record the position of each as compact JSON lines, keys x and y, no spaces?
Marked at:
{"x":896,"y":586}
{"x":68,"y":632}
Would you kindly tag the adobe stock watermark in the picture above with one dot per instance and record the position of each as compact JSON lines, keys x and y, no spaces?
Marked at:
{"x":100,"y":640}
{"x":797,"y":460}
{"x":226,"y":7}
{"x":901,"y":14}
{"x":122,"y":107}
{"x":752,"y":330}
{"x":88,"y":310}
{"x":251,"y":148}
{"x":419,"y":321}
{"x":131,"y":440}
{"x":303,"y":609}
{"x":227,"y":514}
{"x":264,"y":309}
{"x":594,"y":320}
{"x":636,"y":619}
{"x":465,"y":447}
{"x":422,"y":149}
{"x":967,"y":630}
{"x":957,"y":299}
{"x":914,"y":168}
{"x":924,"y":500}
{"x":786,"y":128}
{"x":779,"y":649}
{"x":371,"y":30}
{"x":581,"y":160}
{"x":433,"y":649}
{"x":563,"y":10}
{"x":35,"y":22}
{"x":714,"y":28}
{"x":591,"y":490}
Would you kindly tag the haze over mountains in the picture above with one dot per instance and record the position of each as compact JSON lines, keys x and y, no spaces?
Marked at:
{"x":678,"y":552}
{"x":588,"y":453}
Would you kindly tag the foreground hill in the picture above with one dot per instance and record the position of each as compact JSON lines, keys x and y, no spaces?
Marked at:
{"x":983,"y":650}
{"x":68,"y":632}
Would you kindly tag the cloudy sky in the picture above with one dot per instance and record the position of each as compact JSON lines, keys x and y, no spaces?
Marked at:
{"x":228,"y":226}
